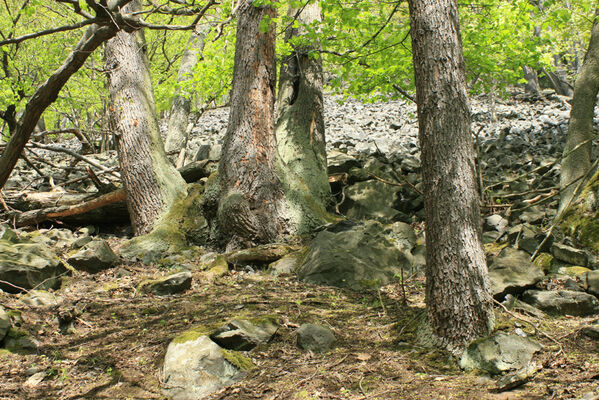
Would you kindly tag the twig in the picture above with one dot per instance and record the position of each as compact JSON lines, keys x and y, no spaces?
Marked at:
{"x":406,"y":182}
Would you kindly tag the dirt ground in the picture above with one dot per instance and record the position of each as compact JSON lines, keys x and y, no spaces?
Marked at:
{"x":120,"y":338}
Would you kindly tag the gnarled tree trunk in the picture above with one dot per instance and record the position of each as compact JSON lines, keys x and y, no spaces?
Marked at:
{"x":251,"y":207}
{"x":577,"y":152}
{"x":150,"y":181}
{"x":457,"y":288}
{"x":302,"y":160}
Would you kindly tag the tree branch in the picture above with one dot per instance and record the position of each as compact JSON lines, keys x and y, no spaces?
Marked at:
{"x":48,"y":32}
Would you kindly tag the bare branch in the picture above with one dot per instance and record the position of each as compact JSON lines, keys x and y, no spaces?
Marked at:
{"x":49,"y":32}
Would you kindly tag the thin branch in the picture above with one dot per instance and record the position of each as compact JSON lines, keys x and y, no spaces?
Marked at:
{"x":49,"y":32}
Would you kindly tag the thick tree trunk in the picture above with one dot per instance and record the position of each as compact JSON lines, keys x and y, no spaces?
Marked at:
{"x":176,"y":137}
{"x":251,"y":207}
{"x":457,"y":288}
{"x":150,"y":181}
{"x":302,"y":160}
{"x":575,"y":164}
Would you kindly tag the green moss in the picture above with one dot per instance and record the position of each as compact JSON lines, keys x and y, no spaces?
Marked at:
{"x":16,"y":333}
{"x":237,"y":359}
{"x":192,"y":334}
{"x":581,"y":221}
{"x":544,"y":261}
{"x":494,"y":248}
{"x":5,"y":353}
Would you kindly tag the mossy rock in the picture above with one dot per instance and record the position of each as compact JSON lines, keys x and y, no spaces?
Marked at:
{"x":238,"y":360}
{"x":544,"y":261}
{"x":581,"y":220}
{"x":264,"y":254}
{"x":182,"y":228}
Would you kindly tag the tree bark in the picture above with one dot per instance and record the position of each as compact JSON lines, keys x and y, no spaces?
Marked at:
{"x":176,"y":137}
{"x":150,"y":181}
{"x":300,"y":135}
{"x":47,"y":93}
{"x":251,"y":206}
{"x":457,"y":289}
{"x":575,"y":164}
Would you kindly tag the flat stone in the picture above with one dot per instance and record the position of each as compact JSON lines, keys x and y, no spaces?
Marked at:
{"x":286,"y":265}
{"x":590,"y":282}
{"x":569,"y":254}
{"x":591,"y":331}
{"x":243,"y":335}
{"x":94,"y":257}
{"x":496,"y":222}
{"x":171,"y":284}
{"x":370,"y":200}
{"x":499,"y":353}
{"x":563,"y":302}
{"x":40,"y":299}
{"x":512,"y":272}
{"x":316,"y":338}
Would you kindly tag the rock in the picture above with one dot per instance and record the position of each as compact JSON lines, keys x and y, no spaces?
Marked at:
{"x":94,"y":257}
{"x":41,"y":298}
{"x":194,"y":367}
{"x":316,"y":338}
{"x":590,"y":282}
{"x":216,"y":267}
{"x":499,"y":353}
{"x":286,"y":265}
{"x":82,"y":241}
{"x":591,"y":331}
{"x":496,"y":222}
{"x":514,"y":379}
{"x":569,"y":255}
{"x":512,"y":272}
{"x":28,"y":265}
{"x":8,"y":234}
{"x":357,"y":257}
{"x":401,"y":235}
{"x":572,"y":271}
{"x":264,"y":254}
{"x":35,"y":379}
{"x":339,"y":162}
{"x":243,"y":335}
{"x":4,"y":323}
{"x":563,"y":302}
{"x":208,"y":152}
{"x":18,"y":340}
{"x":171,"y":284}
{"x":528,"y":238}
{"x":370,"y":200}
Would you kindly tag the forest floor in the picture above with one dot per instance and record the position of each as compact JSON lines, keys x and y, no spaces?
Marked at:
{"x":120,"y":339}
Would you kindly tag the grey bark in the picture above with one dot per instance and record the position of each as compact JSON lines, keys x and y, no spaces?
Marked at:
{"x":151,"y":183}
{"x":459,"y":304}
{"x":300,"y":135}
{"x":176,"y":137}
{"x":575,"y":164}
{"x":251,"y":206}
{"x":532,"y":81}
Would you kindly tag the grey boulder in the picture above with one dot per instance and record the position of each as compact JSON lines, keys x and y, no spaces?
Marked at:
{"x":171,"y":284}
{"x":511,"y":272}
{"x":354,"y":256}
{"x":563,"y":302}
{"x":243,"y":335}
{"x":316,"y":338}
{"x":499,"y":353}
{"x":4,"y":323}
{"x":195,"y":366}
{"x":94,"y":257}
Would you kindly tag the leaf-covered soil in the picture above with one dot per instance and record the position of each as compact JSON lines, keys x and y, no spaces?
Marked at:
{"x":120,"y":338}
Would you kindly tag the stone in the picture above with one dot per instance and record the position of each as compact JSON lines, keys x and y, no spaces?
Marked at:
{"x":512,"y":272}
{"x":94,"y":257}
{"x":528,"y":238}
{"x":496,"y":222}
{"x":591,"y":331}
{"x":8,"y":234}
{"x":573,"y":271}
{"x":286,"y":265}
{"x":590,"y":282}
{"x":316,"y":338}
{"x":244,"y":335}
{"x":355,"y":256}
{"x":569,"y":255}
{"x":512,"y":380}
{"x":195,"y":367}
{"x":208,"y":152}
{"x":402,"y":236}
{"x":171,"y":284}
{"x":370,"y":200}
{"x":82,"y":241}
{"x":4,"y":323}
{"x":28,"y":265}
{"x":41,"y":298}
{"x":563,"y":302}
{"x":499,"y":353}
{"x":264,"y":254}
{"x":339,"y":162}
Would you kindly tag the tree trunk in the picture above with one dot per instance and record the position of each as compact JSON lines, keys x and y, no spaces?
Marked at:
{"x":176,"y":137}
{"x":150,"y":181}
{"x":302,"y":160}
{"x":457,"y":289}
{"x":575,"y":164}
{"x":251,"y":206}
{"x":532,"y":81}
